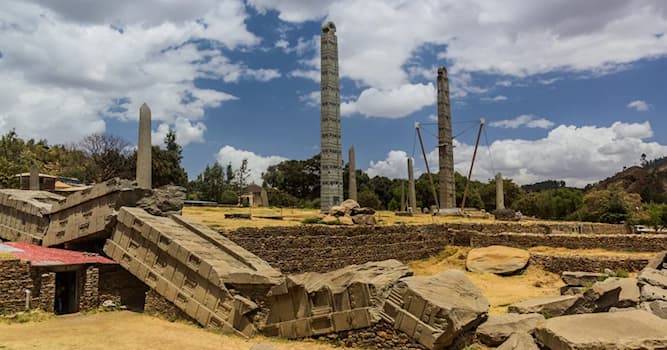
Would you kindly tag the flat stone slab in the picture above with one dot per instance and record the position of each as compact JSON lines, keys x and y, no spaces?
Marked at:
{"x":497,"y":259}
{"x":616,"y":330}
{"x":653,"y":277}
{"x":551,"y":306}
{"x":519,"y":341}
{"x":498,"y":328}
{"x":580,"y":278}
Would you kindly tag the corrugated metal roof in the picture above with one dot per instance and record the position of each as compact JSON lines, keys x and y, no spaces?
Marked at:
{"x":42,"y":256}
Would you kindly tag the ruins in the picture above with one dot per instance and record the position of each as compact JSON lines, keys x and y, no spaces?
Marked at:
{"x":352,"y":165}
{"x":331,"y":168}
{"x":445,"y":143}
{"x":500,"y":192}
{"x":144,"y":149}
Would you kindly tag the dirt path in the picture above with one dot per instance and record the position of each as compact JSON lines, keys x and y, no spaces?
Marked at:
{"x":127,"y":331}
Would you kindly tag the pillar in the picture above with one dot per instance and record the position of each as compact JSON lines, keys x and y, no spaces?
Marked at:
{"x":500,"y":193}
{"x":445,"y":143}
{"x":353,"y":175}
{"x":144,"y":149}
{"x":412,"y":196}
{"x":34,"y":178}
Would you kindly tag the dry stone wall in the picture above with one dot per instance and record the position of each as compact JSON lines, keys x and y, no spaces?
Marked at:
{"x":324,"y":248}
{"x":15,"y":280}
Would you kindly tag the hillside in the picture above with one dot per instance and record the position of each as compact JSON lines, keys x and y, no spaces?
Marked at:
{"x":649,"y":181}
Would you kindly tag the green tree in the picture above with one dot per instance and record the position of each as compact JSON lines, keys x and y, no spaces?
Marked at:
{"x":298,"y":178}
{"x":369,"y":199}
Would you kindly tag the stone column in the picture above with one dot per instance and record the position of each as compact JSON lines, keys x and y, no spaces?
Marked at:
{"x":34,"y":178}
{"x":412,"y":196}
{"x":331,"y":152}
{"x":265,"y":198}
{"x":445,"y":143}
{"x":500,"y":193}
{"x":402,"y":196}
{"x":353,"y":175}
{"x":144,"y":149}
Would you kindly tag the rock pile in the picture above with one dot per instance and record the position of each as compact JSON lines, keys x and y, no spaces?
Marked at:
{"x":652,"y":283}
{"x":349,"y":213}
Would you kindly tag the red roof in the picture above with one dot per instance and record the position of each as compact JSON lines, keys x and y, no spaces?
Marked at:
{"x":42,"y":256}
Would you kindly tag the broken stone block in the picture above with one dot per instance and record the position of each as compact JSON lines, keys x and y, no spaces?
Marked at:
{"x":337,"y":210}
{"x":363,"y":211}
{"x":657,"y":278}
{"x":24,"y":214}
{"x":616,"y":330}
{"x":658,"y":261}
{"x":498,"y":328}
{"x":657,"y":307}
{"x":569,"y":290}
{"x":345,"y":220}
{"x":612,"y":292}
{"x":364,"y":219}
{"x":547,"y":306}
{"x":581,"y":279}
{"x":311,"y":303}
{"x":435,"y":310}
{"x":500,"y":260}
{"x":519,"y":341}
{"x":329,"y":220}
{"x":164,"y":201}
{"x":349,"y":205}
{"x":651,"y":293}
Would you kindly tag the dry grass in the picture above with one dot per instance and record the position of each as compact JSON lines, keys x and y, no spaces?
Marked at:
{"x":500,"y":291}
{"x":127,"y":331}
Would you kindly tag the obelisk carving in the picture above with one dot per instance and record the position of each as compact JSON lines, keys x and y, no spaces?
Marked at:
{"x":144,"y":149}
{"x":352,"y":190}
{"x":445,"y":143}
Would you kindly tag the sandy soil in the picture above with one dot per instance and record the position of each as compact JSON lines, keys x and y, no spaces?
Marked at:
{"x":127,"y":331}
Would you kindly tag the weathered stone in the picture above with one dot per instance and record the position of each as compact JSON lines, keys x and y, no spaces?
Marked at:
{"x":331,"y":160}
{"x":352,"y":175}
{"x":311,"y":303}
{"x":437,"y":309}
{"x":164,"y":201}
{"x":412,"y":194}
{"x":569,"y":290}
{"x":657,"y":262}
{"x":581,"y":278}
{"x":445,"y":145}
{"x":144,"y":149}
{"x":329,"y":220}
{"x":657,"y":307}
{"x":547,"y":306}
{"x":519,"y":341}
{"x":364,"y":219}
{"x":337,"y":210}
{"x":345,"y":220}
{"x":24,"y":214}
{"x":349,"y":205}
{"x":363,"y":211}
{"x":500,"y":193}
{"x":653,"y":277}
{"x":612,"y":292}
{"x":34,"y":178}
{"x":498,"y":328}
{"x":600,"y":331}
{"x":500,"y":260}
{"x":651,"y":293}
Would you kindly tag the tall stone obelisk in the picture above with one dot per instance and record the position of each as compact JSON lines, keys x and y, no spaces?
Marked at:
{"x":352,"y":164}
{"x":144,"y":149}
{"x":331,"y":166}
{"x":500,"y":192}
{"x":412,"y":195}
{"x":34,"y":178}
{"x":445,"y":143}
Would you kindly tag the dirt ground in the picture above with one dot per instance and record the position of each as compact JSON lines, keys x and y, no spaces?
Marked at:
{"x":127,"y":331}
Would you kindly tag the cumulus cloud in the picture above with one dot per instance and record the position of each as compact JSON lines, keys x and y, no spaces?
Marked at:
{"x":639,"y":105}
{"x":257,"y":164}
{"x":497,"y":98}
{"x":311,"y":99}
{"x":395,"y":166}
{"x":393,"y":103}
{"x":186,"y":131}
{"x":527,"y":120}
{"x":81,"y":63}
{"x":577,"y":155}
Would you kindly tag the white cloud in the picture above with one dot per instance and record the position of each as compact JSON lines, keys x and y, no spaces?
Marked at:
{"x":577,"y":155}
{"x":80,"y":63}
{"x":497,"y":98}
{"x":394,"y":103}
{"x":395,"y":166}
{"x":639,"y":105}
{"x":527,"y":120}
{"x":187,"y":132}
{"x":311,"y":99}
{"x":257,"y":164}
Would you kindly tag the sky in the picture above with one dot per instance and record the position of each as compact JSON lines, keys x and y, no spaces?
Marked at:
{"x":569,"y":90}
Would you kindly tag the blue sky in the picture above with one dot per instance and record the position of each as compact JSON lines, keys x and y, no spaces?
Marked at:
{"x":570,"y":91}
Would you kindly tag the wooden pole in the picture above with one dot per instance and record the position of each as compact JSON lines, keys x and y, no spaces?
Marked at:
{"x":472,"y":164}
{"x":428,"y":170}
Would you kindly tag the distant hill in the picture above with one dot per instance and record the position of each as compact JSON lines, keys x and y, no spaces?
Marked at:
{"x":649,"y":181}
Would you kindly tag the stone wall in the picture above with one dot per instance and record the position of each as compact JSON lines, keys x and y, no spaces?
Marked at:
{"x":121,"y":287}
{"x":14,"y":280}
{"x":324,"y":248}
{"x":560,"y":263}
{"x":89,"y":297}
{"x":156,"y":303}
{"x":44,"y":291}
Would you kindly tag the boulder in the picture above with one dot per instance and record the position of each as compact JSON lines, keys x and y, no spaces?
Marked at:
{"x":612,"y":292}
{"x":349,"y":205}
{"x":519,"y":341}
{"x":498,"y":328}
{"x":651,"y":293}
{"x":581,"y":279}
{"x":329,"y":220}
{"x":364,"y":219}
{"x":657,"y":307}
{"x":346,"y":220}
{"x":570,"y":290}
{"x":164,"y":201}
{"x":653,"y":277}
{"x":612,"y":330}
{"x":363,"y":211}
{"x":547,"y":306}
{"x":337,"y":210}
{"x":435,"y":310}
{"x":496,"y":259}
{"x":658,"y":261}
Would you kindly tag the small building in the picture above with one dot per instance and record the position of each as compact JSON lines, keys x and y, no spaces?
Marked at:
{"x":255,"y":196}
{"x":46,"y":182}
{"x":54,"y":280}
